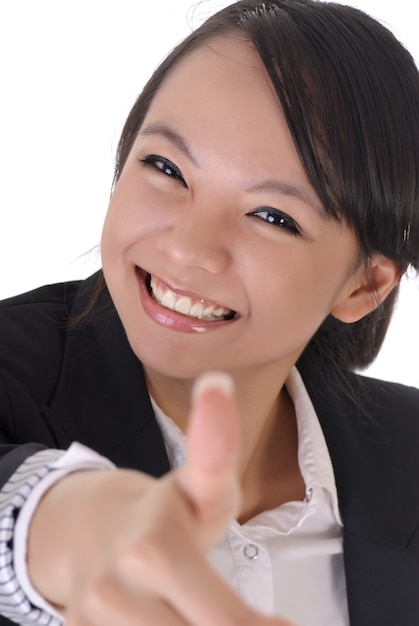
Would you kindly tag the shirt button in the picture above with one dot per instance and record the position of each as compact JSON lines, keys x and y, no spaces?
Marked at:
{"x":309,"y":494}
{"x":251,"y":551}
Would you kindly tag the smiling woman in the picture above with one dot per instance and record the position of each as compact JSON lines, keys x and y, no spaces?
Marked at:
{"x":52,"y":209}
{"x":264,"y":209}
{"x":216,"y":226}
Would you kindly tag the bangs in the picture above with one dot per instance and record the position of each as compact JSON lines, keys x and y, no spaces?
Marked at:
{"x":354,"y":121}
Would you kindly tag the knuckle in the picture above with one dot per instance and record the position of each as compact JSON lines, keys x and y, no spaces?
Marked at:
{"x":94,"y":601}
{"x":241,"y":616}
{"x":97,"y":600}
{"x":152,"y":558}
{"x":247,"y":617}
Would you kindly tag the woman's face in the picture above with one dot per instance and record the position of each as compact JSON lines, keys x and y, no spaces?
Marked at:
{"x":215,"y":248}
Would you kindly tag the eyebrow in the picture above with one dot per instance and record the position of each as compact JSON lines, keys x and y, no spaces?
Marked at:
{"x":294,"y":191}
{"x":157,"y":128}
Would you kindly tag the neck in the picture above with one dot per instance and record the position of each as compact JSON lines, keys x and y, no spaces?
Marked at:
{"x":257,"y":392}
{"x":269,"y":464}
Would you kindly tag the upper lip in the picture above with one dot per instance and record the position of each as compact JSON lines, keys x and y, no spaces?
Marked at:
{"x":180,"y":291}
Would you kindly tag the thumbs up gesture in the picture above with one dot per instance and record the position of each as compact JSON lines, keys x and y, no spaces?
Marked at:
{"x":120,"y":548}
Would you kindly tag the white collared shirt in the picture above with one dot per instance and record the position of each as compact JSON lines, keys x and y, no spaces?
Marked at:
{"x":288,"y":561}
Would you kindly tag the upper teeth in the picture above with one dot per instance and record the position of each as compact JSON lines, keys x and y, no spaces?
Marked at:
{"x":185,"y":305}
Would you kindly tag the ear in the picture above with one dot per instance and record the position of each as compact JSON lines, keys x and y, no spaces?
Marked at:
{"x":368,"y":289}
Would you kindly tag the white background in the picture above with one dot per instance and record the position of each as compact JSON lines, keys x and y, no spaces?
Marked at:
{"x":70,"y":71}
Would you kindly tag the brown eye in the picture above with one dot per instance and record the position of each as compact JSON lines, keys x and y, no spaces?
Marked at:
{"x":277,"y":218}
{"x":165,"y":166}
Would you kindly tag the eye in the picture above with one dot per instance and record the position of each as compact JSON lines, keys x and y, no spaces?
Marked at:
{"x":277,"y":218}
{"x":165,"y":166}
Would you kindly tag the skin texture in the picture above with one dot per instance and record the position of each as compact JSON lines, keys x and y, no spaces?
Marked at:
{"x":212,"y":167}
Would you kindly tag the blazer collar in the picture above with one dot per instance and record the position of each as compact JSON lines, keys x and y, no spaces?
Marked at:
{"x":101,"y":398}
{"x":375,"y":464}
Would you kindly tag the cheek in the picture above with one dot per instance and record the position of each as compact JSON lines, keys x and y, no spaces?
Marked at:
{"x":109,"y":238}
{"x":136,"y":211}
{"x":123,"y":223}
{"x":116,"y":241}
{"x":297,"y":284}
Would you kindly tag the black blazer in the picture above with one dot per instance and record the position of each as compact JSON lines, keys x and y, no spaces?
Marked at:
{"x":60,"y":384}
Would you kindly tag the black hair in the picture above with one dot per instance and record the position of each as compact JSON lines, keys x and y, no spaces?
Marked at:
{"x":350,"y":94}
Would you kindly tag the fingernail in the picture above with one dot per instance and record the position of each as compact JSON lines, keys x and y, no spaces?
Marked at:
{"x":213,"y":380}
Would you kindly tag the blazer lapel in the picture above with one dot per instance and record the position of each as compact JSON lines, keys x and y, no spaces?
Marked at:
{"x":376,"y":467}
{"x":101,"y":398}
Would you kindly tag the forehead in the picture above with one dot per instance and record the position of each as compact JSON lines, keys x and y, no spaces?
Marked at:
{"x":219,"y":106}
{"x":223,"y":67}
{"x":220,"y":97}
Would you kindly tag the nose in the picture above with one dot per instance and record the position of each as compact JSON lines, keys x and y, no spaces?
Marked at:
{"x":197,"y":238}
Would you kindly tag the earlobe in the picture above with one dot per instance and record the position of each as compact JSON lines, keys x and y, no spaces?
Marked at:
{"x":369,"y":289}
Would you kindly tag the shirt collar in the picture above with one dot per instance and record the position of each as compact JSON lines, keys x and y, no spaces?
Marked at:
{"x":313,"y":455}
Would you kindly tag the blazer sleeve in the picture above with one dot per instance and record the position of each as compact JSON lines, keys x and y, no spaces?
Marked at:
{"x":14,"y":604}
{"x":32,"y":337}
{"x":30,"y":356}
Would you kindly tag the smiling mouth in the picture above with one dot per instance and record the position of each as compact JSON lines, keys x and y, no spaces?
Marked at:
{"x":191,"y":307}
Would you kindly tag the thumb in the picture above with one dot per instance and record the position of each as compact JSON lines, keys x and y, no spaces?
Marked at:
{"x":210,"y":477}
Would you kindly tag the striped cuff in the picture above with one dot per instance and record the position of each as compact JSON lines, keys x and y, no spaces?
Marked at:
{"x":19,"y":498}
{"x":13,"y":602}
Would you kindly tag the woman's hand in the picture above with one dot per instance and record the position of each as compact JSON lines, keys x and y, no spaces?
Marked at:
{"x":119,"y":548}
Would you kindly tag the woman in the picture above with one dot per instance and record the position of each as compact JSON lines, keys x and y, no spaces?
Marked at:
{"x":264,"y":210}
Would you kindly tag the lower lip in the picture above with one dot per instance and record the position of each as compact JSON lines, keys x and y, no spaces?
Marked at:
{"x":173,"y":319}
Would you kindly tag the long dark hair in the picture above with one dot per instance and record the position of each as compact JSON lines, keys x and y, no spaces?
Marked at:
{"x":350,"y":94}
